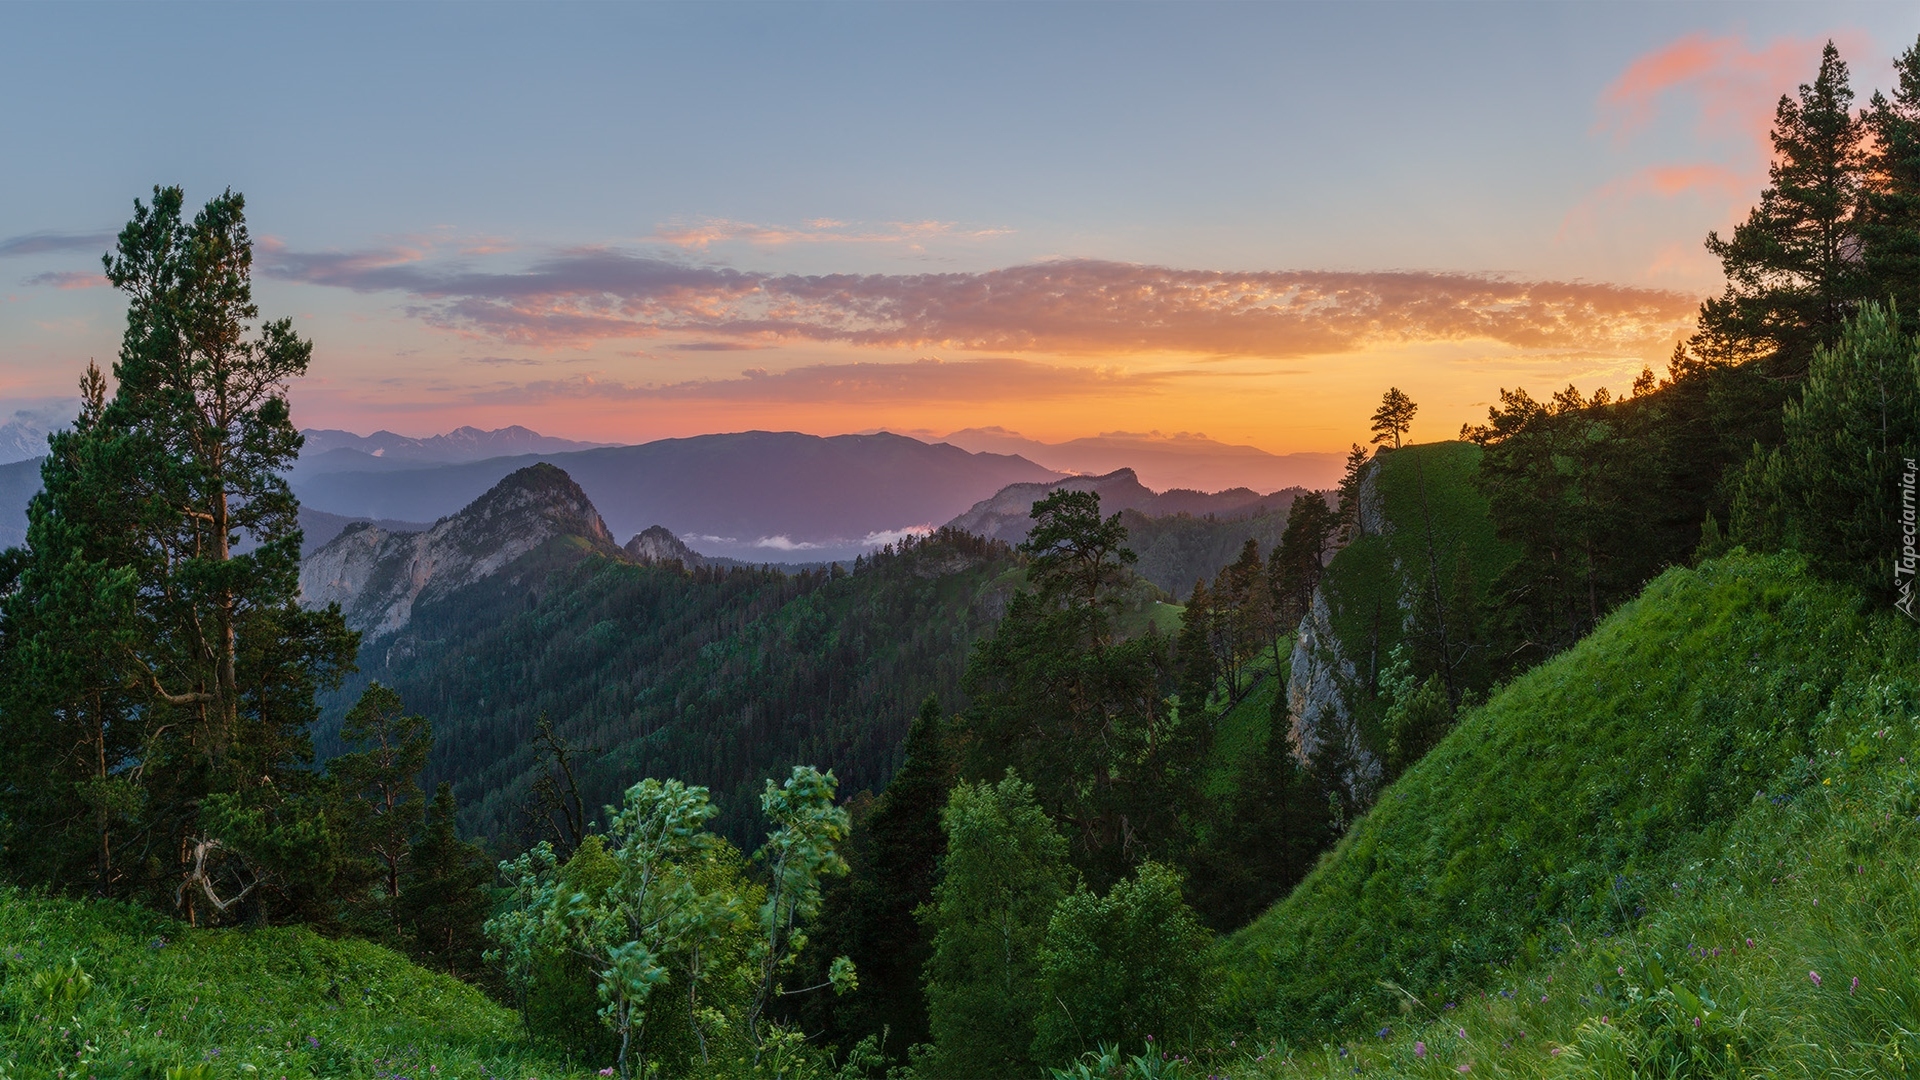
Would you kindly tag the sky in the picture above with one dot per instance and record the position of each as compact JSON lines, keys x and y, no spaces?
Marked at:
{"x":622,"y":222}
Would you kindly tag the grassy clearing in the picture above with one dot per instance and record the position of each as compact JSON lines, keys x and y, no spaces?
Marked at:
{"x":100,"y":989}
{"x":1568,"y":885}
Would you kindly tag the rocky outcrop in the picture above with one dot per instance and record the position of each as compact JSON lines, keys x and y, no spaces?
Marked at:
{"x":377,"y":575}
{"x":1318,"y":679}
{"x":1321,"y":675}
{"x":657,"y":545}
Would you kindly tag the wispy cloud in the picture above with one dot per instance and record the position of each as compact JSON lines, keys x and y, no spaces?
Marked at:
{"x":1734,"y":84}
{"x":69,"y":280}
{"x":973,"y":381}
{"x":41,"y":243}
{"x":1087,"y":307}
{"x":699,"y":236}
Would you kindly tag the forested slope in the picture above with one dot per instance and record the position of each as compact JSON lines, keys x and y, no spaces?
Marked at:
{"x":718,"y":677}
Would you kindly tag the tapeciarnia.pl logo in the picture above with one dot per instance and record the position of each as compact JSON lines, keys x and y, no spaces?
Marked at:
{"x":1904,"y":562}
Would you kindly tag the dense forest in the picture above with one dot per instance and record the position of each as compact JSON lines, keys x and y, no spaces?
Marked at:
{"x":1633,"y":669}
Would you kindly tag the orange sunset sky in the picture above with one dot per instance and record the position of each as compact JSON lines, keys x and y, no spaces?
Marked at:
{"x":628,"y":223}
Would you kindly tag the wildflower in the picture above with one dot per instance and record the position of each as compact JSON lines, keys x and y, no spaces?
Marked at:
{"x":313,"y":1041}
{"x":1463,"y":1031}
{"x":1384,"y":1032}
{"x":1696,"y":1023}
{"x":1419,"y":1049}
{"x":1621,"y":970}
{"x":1555,"y":1052}
{"x":1814,"y":977}
{"x":1855,"y":986}
{"x":1343,"y":1051}
{"x":608,"y":1071}
{"x":1465,"y":1068}
{"x":1749,"y":943}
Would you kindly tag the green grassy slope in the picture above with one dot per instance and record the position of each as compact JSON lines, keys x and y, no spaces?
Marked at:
{"x":1720,"y":754}
{"x":280,"y":1002}
{"x":1367,"y":579}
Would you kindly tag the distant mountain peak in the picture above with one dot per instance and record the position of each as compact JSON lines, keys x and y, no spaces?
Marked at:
{"x":377,"y":576}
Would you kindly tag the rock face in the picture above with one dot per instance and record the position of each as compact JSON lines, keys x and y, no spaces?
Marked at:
{"x":376,"y":576}
{"x":658,"y":545}
{"x":1320,"y":673}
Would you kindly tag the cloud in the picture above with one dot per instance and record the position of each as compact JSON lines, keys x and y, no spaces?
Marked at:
{"x":1085,"y":306}
{"x":1735,"y":84}
{"x":709,"y":231}
{"x":69,"y":280}
{"x":785,"y":543}
{"x":989,"y":380}
{"x":41,"y":243}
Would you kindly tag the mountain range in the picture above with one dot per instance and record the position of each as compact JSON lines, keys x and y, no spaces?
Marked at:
{"x":1183,"y":460}
{"x":460,"y":444}
{"x":1007,"y":515}
{"x":758,"y":496}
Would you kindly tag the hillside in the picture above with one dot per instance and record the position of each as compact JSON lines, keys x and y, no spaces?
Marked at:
{"x":1679,"y":842}
{"x":721,"y":677}
{"x":760,"y":496}
{"x":1420,"y":511}
{"x":271,"y":1002}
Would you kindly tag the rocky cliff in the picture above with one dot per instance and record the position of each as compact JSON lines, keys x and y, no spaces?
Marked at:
{"x":377,"y":575}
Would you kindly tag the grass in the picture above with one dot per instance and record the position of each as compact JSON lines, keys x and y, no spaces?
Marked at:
{"x":1568,"y":884}
{"x":277,"y":1002}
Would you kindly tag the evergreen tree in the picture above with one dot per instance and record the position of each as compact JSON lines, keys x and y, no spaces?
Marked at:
{"x":1834,"y":489}
{"x":868,"y":916}
{"x":1005,"y":869}
{"x":1793,"y":267}
{"x":1348,"y":508}
{"x":212,"y":664}
{"x":1199,"y":668}
{"x":1890,"y":218}
{"x":1264,"y":837}
{"x":1394,"y":418}
{"x":379,"y":783}
{"x":443,"y":900}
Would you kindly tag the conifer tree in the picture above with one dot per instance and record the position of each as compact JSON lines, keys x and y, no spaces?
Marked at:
{"x":1199,"y":669}
{"x":379,"y":781}
{"x":1394,"y":418}
{"x":1794,"y":266}
{"x":211,"y":664}
{"x":1890,"y":218}
{"x":1834,"y":488}
{"x":868,"y":916}
{"x":443,"y":900}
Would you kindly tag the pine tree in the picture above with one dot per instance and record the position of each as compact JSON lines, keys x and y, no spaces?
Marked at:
{"x":1199,"y":668}
{"x":1394,"y":418}
{"x":1793,"y":267}
{"x":868,"y":916}
{"x":213,"y":665}
{"x":1833,"y":488}
{"x":444,"y":902}
{"x":379,"y":781}
{"x":1890,"y":218}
